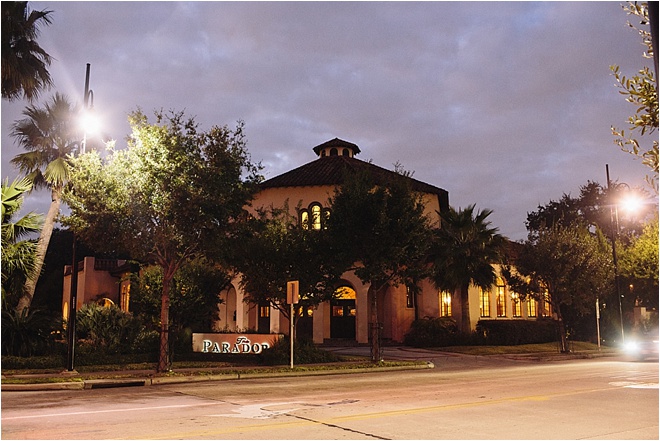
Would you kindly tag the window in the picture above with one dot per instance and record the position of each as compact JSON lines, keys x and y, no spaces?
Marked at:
{"x":516,"y":305}
{"x":500,"y":299}
{"x":484,"y":303}
{"x":125,"y":298}
{"x":445,"y":304}
{"x":315,"y":217}
{"x":531,"y":308}
{"x":315,"y":221}
{"x":544,"y":305}
{"x":334,"y":152}
{"x":264,"y":311}
{"x":410,"y":298}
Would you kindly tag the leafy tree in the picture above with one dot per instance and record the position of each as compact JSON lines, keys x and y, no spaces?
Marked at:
{"x":273,"y":250}
{"x":463,"y":252}
{"x":18,"y":254}
{"x":640,"y":90}
{"x":592,"y":208}
{"x":638,"y":264}
{"x":383,"y":231}
{"x":49,"y":136}
{"x":566,"y":266}
{"x":193,"y":295}
{"x":172,"y":196}
{"x":24,"y":62}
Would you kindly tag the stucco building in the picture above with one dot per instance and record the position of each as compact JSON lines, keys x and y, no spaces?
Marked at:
{"x":306,"y":190}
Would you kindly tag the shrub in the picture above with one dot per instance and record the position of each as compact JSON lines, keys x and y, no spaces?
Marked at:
{"x":27,"y":333}
{"x":517,"y":332}
{"x":304,"y":352}
{"x":109,"y":330}
{"x":433,"y":332}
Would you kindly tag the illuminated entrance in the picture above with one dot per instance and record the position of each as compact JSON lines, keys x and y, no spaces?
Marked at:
{"x":342,"y":318}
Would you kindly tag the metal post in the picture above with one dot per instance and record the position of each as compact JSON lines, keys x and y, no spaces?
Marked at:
{"x":614,"y":223}
{"x":598,"y":322}
{"x":73,"y":300}
{"x":73,"y":294}
{"x":291,"y":336}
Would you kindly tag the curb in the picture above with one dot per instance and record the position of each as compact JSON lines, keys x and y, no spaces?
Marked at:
{"x":155,"y":381}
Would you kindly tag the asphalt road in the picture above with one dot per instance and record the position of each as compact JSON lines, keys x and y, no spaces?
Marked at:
{"x":462,"y":398}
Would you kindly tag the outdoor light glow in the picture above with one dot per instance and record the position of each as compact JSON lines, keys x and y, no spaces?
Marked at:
{"x":89,"y":123}
{"x":631,"y":203}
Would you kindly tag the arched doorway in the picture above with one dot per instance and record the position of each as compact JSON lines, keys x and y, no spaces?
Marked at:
{"x":342,"y":314}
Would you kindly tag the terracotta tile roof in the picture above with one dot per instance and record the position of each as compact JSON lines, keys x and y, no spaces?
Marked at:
{"x":330,"y":170}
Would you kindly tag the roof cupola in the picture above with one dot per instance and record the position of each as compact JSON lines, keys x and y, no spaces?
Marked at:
{"x":336,"y":147}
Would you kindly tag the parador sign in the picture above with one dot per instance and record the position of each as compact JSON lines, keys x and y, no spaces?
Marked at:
{"x":233,"y":343}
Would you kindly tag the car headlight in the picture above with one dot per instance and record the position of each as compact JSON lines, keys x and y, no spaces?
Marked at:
{"x":631,"y":346}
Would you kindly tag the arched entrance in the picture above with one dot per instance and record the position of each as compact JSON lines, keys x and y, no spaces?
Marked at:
{"x":342,"y":314}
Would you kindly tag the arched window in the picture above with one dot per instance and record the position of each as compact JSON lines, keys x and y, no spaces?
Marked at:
{"x":314,"y":217}
{"x":333,"y":152}
{"x":484,"y":303}
{"x":445,"y":304}
{"x":499,"y":297}
{"x":346,"y":152}
{"x":304,"y":219}
{"x":315,"y":220}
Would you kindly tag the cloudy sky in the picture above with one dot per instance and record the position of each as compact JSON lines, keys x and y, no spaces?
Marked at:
{"x":504,"y":105}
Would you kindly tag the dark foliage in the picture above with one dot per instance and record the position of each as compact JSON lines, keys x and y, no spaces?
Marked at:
{"x":517,"y":332}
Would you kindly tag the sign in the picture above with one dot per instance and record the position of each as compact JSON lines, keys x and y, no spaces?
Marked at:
{"x":292,"y":296}
{"x":214,"y":343}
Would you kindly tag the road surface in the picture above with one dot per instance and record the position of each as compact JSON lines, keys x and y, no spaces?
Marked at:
{"x":461,"y":398}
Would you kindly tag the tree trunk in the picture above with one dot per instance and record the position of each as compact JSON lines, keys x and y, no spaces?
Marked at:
{"x":164,"y":353}
{"x":42,"y":246}
{"x":375,"y":327}
{"x":466,"y":326}
{"x":562,"y":335}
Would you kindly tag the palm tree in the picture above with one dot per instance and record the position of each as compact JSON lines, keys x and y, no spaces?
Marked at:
{"x":464,"y":249}
{"x":24,"y":62}
{"x":17,"y":254}
{"x":49,"y":136}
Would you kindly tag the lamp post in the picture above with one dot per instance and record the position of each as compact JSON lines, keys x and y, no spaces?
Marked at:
{"x":614,"y":224}
{"x":73,"y":294}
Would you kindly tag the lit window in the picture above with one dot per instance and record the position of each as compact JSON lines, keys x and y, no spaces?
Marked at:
{"x":264,"y":311}
{"x":500,"y":299}
{"x":544,"y":305}
{"x":304,"y":219}
{"x":531,"y":308}
{"x":316,"y":217}
{"x":484,"y":303}
{"x":445,"y":304}
{"x":125,"y":299}
{"x":516,"y":305}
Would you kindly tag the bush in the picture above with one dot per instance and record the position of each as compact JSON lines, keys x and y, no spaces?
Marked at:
{"x":517,"y":332}
{"x":28,"y":333}
{"x":304,"y":352}
{"x":109,"y":330}
{"x":433,"y":332}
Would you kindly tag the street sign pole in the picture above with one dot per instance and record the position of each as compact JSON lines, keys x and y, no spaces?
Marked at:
{"x":292,"y":298}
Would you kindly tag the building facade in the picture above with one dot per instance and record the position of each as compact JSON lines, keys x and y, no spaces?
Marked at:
{"x":306,"y":190}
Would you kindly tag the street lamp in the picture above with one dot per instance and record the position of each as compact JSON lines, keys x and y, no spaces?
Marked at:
{"x":630,"y":203}
{"x":73,"y":294}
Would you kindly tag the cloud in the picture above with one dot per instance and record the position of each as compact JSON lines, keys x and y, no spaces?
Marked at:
{"x":507,"y":105}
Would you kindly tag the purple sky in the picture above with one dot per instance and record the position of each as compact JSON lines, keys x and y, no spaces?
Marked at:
{"x":505,"y":105}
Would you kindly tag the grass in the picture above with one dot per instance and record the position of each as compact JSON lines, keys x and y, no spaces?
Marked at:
{"x":547,"y":348}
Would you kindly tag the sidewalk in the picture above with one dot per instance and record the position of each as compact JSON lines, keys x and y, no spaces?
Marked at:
{"x":401,"y":358}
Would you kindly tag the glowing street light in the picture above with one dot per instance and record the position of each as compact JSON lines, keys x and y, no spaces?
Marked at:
{"x":630,"y":203}
{"x":73,"y":293}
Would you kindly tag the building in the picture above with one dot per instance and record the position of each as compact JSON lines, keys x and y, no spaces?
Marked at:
{"x":104,"y":281}
{"x":306,"y":190}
